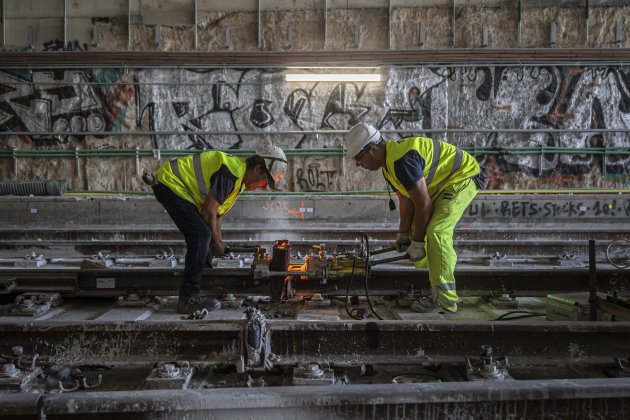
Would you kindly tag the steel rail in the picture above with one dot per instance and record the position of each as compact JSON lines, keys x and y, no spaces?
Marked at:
{"x":529,"y":279}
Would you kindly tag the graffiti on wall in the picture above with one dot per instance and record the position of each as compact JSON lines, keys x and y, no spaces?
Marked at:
{"x":586,"y":208}
{"x":314,"y":176}
{"x":58,"y":45}
{"x":45,"y":105}
{"x":229,"y":108}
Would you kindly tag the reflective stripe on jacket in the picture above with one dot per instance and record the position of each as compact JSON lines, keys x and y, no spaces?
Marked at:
{"x":189,"y":176}
{"x":445,"y":164}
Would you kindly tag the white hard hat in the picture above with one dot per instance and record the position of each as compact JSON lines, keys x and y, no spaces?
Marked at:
{"x":275,"y":163}
{"x":360,"y":136}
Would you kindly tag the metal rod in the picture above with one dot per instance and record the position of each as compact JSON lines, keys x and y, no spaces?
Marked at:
{"x":65,"y":23}
{"x":592,"y":280}
{"x":389,"y":260}
{"x":137,"y":161}
{"x":453,"y":27}
{"x":484,"y":36}
{"x":78,"y":162}
{"x":30,"y":37}
{"x":242,"y":248}
{"x":325,"y":24}
{"x":586,"y":18}
{"x":290,"y":35}
{"x":298,"y":132}
{"x":196,"y":20}
{"x":389,"y":24}
{"x":4,"y":24}
{"x":95,"y":36}
{"x":288,"y":273}
{"x":258,"y":26}
{"x":383,"y":250}
{"x":520,"y":24}
{"x":128,"y":25}
{"x":422,"y":34}
{"x":15,"y":162}
{"x":227,"y":38}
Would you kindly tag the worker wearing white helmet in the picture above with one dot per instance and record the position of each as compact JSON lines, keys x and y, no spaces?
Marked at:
{"x":196,"y":190}
{"x":435,"y":182}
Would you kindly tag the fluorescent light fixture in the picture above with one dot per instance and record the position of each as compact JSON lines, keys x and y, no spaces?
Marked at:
{"x":332,"y":77}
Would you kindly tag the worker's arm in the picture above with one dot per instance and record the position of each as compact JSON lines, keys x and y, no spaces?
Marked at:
{"x":422,"y":208}
{"x":210,"y":213}
{"x":406,"y":210}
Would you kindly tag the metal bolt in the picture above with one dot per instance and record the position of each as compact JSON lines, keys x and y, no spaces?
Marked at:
{"x":27,"y":303}
{"x":169,"y":370}
{"x":9,"y":371}
{"x":312,"y":370}
{"x":486,"y":351}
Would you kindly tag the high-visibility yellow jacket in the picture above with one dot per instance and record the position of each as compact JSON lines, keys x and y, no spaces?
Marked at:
{"x":445,"y":164}
{"x":190,"y":176}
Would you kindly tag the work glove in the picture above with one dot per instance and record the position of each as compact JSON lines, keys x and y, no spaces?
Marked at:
{"x":402,"y":241}
{"x":416,"y":251}
{"x":218,"y":249}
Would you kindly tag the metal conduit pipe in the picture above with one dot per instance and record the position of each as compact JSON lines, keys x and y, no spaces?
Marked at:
{"x":372,"y":192}
{"x":21,"y":154}
{"x":454,"y":57}
{"x":323,"y":132}
{"x":33,"y":188}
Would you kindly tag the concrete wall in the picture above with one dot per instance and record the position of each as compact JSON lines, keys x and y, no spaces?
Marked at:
{"x":257,"y":105}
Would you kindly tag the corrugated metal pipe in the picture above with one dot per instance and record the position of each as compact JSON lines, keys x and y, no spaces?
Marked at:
{"x":33,"y":187}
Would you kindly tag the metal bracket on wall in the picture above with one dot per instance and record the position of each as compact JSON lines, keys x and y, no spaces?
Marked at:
{"x":78,"y":162}
{"x":520,"y":24}
{"x":422,"y":34}
{"x":158,"y":30}
{"x":553,"y":34}
{"x":128,"y":25}
{"x":196,"y":20}
{"x":65,"y":23}
{"x":95,"y":35}
{"x":228,"y":38}
{"x":4,"y":24}
{"x":618,"y":33}
{"x":290,"y":36}
{"x":586,"y":22}
{"x":29,"y":37}
{"x":484,"y":36}
{"x":357,"y":36}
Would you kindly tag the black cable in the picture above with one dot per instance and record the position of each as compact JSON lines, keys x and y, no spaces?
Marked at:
{"x":354,"y":263}
{"x":367,"y":275}
{"x":392,"y":205}
{"x":525,"y":314}
{"x":619,"y":266}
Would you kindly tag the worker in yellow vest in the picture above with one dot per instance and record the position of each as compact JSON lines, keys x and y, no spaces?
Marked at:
{"x":196,"y":190}
{"x":435,"y":182}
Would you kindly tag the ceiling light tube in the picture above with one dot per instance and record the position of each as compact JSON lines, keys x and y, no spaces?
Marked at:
{"x":332,"y":77}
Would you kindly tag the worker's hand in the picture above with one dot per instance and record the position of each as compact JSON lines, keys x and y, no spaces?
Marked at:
{"x":218,"y":249}
{"x":416,"y":251}
{"x":402,"y":241}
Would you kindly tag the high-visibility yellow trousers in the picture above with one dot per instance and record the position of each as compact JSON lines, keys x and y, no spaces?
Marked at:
{"x":448,"y":208}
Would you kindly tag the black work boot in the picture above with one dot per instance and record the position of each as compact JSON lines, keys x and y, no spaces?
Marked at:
{"x":189,"y":304}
